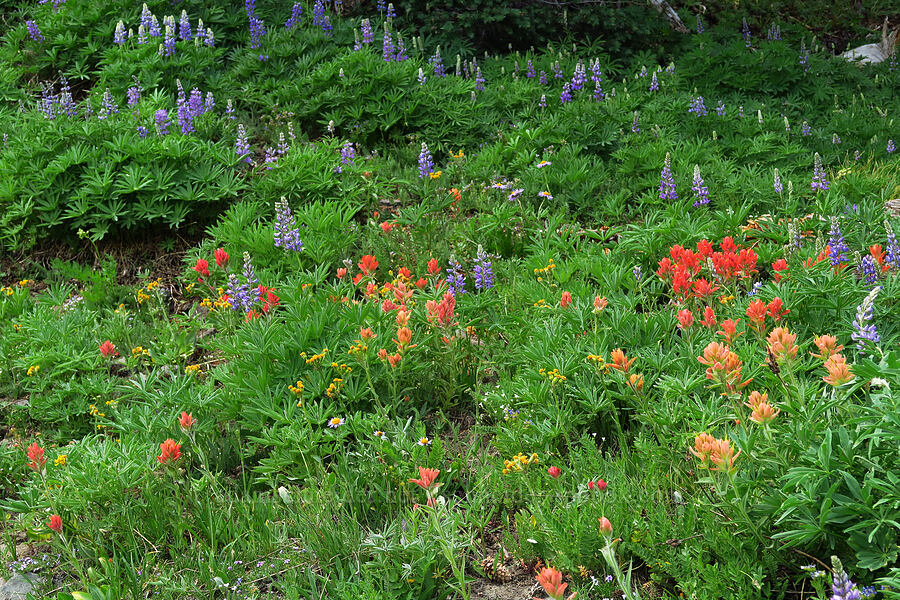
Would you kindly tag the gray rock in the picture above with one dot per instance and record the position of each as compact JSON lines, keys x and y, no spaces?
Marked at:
{"x":18,"y":586}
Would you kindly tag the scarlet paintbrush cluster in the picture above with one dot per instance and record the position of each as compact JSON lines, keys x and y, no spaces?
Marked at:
{"x":683,"y":267}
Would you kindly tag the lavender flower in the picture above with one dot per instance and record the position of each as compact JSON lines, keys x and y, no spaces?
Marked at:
{"x":368,"y":36}
{"x":142,"y":131}
{"x":249,"y":273}
{"x":701,"y":192}
{"x":697,"y":106}
{"x":745,"y":32}
{"x":133,"y":94}
{"x":391,"y":13}
{"x":892,"y":254}
{"x":210,"y":40}
{"x":867,"y":270}
{"x":257,"y":31}
{"x":543,"y":101}
{"x":421,"y":78}
{"x":242,"y":145}
{"x":66,"y":102}
{"x":666,"y":181}
{"x":835,"y":139}
{"x":579,"y":77}
{"x":348,"y":154}
{"x":654,"y":83}
{"x":146,"y":17}
{"x":483,"y":271}
{"x":778,"y":187}
{"x":514,"y":195}
{"x":48,"y":103}
{"x":557,"y":71}
{"x":318,"y":13}
{"x":195,"y":103}
{"x":184,"y":27}
{"x":167,"y":48}
{"x":239,"y":294}
{"x":804,"y":56}
{"x":634,"y":124}
{"x":387,"y":45}
{"x":438,"y":64}
{"x":741,"y":111}
{"x":819,"y":181}
{"x":119,"y":35}
{"x":699,"y":25}
{"x":479,"y":79}
{"x":643,"y":71}
{"x":327,"y":28}
{"x":863,"y":330}
{"x":141,"y":35}
{"x":598,"y":92}
{"x":381,"y":6}
{"x":287,"y":235}
{"x":107,"y":106}
{"x":426,"y":164}
{"x":891,"y":147}
{"x":296,"y":13}
{"x":720,"y":108}
{"x":837,"y":244}
{"x":638,"y":274}
{"x":456,"y":278}
{"x":530,"y":72}
{"x":34,"y":32}
{"x":185,"y":118}
{"x":162,"y":122}
{"x":566,"y":95}
{"x":400,"y":54}
{"x":543,"y":78}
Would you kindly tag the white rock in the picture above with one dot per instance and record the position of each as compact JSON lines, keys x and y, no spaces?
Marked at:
{"x":18,"y":586}
{"x":874,"y":53}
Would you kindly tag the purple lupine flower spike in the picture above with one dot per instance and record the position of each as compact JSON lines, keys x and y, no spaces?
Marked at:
{"x":819,"y":180}
{"x":184,"y":27}
{"x":863,"y":330}
{"x":162,"y":122}
{"x":483,"y":271}
{"x":837,"y":244}
{"x":426,"y":164}
{"x":239,"y":294}
{"x":296,"y":13}
{"x":701,"y":192}
{"x":778,"y":187}
{"x":456,"y":278}
{"x":387,"y":45}
{"x":119,"y":35}
{"x":566,"y":95}
{"x":287,"y":234}
{"x":34,"y":32}
{"x":242,"y":145}
{"x":249,"y":272}
{"x":667,"y":181}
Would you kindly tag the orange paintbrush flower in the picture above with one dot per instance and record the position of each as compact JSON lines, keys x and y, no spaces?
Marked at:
{"x":839,"y":371}
{"x":781,"y":344}
{"x":827,"y":345}
{"x":426,"y":478}
{"x":620,"y":362}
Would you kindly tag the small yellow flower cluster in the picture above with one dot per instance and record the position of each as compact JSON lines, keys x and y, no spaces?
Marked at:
{"x":298,"y":388}
{"x":121,"y":308}
{"x":221,"y":303}
{"x":315,"y":357}
{"x":95,"y":412}
{"x":206,"y":303}
{"x":726,"y":299}
{"x":334,"y":388}
{"x":358,"y":347}
{"x":548,"y":270}
{"x":111,"y":403}
{"x":139,"y":351}
{"x":518,"y":463}
{"x":435,"y":175}
{"x":17,"y":326}
{"x":193,"y":370}
{"x":542,"y":303}
{"x":7,"y":290}
{"x":25,"y":283}
{"x":343,"y":367}
{"x":143,"y":294}
{"x":459,"y":154}
{"x":189,"y":288}
{"x":61,"y":460}
{"x":553,"y":376}
{"x":33,"y":370}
